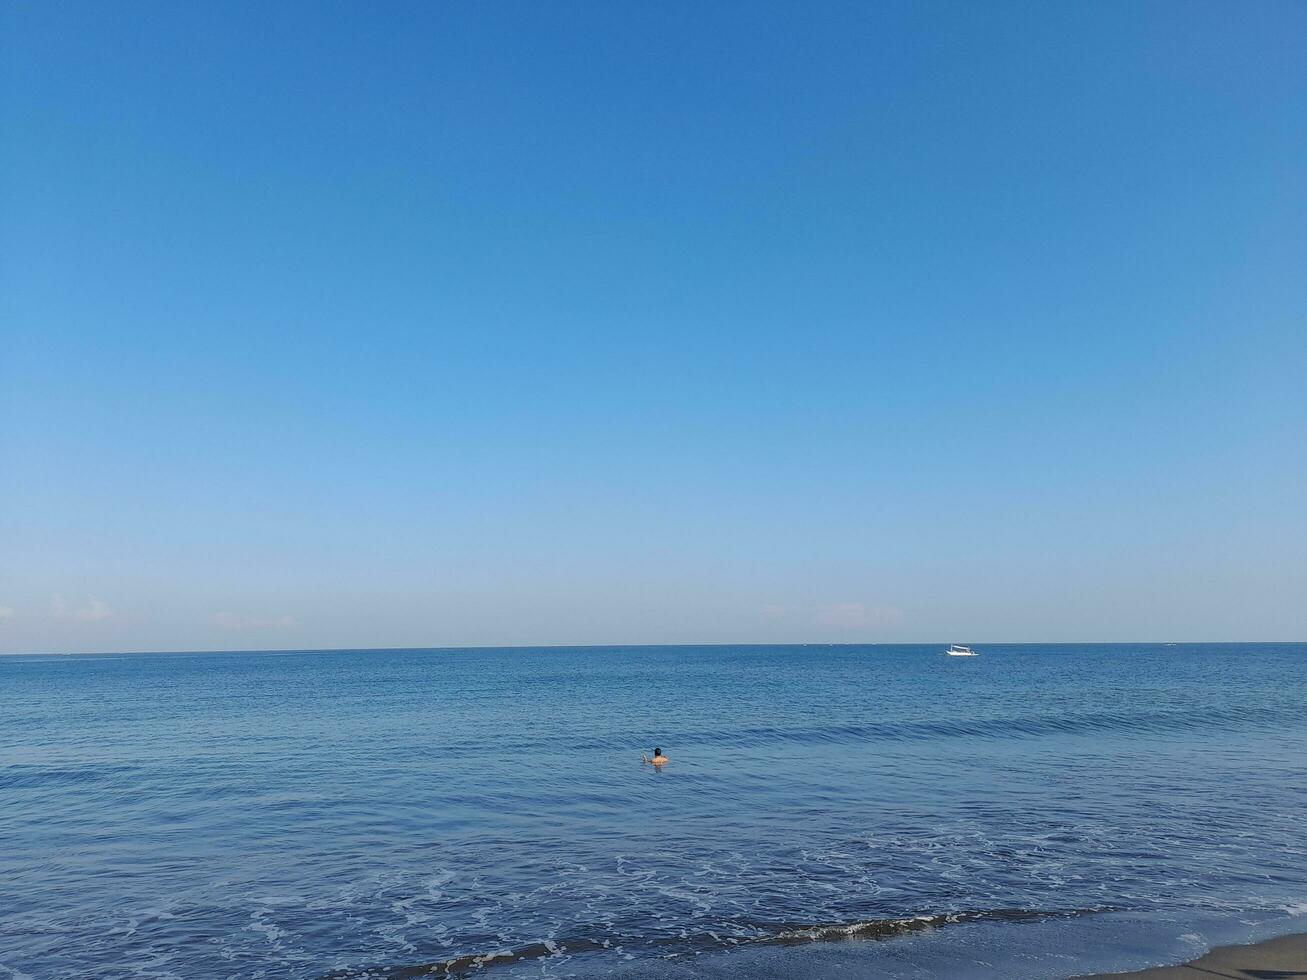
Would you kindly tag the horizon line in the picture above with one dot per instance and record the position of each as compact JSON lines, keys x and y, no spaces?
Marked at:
{"x":638,"y":646}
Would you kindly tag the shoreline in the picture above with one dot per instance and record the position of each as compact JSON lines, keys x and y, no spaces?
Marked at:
{"x":1283,"y":958}
{"x":1111,"y":946}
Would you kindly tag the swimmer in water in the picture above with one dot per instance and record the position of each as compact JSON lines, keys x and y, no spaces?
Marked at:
{"x":658,"y":758}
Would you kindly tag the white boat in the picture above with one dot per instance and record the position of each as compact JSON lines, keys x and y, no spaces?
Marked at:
{"x":955,"y":650}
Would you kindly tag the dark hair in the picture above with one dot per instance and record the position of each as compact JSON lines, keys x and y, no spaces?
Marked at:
{"x":658,"y":751}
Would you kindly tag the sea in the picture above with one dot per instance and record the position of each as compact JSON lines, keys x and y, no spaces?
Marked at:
{"x":1037,"y":811}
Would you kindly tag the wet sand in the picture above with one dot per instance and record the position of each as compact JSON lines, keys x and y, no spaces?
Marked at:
{"x":1276,"y":959}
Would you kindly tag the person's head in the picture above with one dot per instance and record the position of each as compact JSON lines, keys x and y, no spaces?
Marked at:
{"x":657,"y":752}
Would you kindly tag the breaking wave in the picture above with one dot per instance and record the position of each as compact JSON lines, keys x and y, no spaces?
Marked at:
{"x":763,"y":934}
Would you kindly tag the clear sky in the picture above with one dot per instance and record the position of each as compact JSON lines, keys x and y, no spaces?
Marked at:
{"x":439,"y":323}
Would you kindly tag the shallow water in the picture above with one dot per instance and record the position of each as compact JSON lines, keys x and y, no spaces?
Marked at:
{"x":381,"y":813}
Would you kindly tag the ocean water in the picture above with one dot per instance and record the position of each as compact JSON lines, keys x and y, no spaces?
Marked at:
{"x":1035,"y":812}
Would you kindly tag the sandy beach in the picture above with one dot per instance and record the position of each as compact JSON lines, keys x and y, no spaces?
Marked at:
{"x":1276,"y":959}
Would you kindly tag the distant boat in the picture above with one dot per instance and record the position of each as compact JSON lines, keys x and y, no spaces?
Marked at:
{"x":959,"y":651}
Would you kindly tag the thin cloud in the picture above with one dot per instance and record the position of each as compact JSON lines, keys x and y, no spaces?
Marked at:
{"x":94,"y":611}
{"x":836,"y":615}
{"x":854,"y":614}
{"x":7,"y":612}
{"x":240,"y":621}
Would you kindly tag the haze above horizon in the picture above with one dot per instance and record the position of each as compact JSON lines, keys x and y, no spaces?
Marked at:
{"x":471,"y":325}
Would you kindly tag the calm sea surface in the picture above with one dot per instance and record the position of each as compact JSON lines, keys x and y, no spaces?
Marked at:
{"x":1037,"y":811}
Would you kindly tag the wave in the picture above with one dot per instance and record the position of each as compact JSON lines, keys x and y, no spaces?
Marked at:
{"x":797,"y":935}
{"x":759,"y":934}
{"x":36,"y":776}
{"x":1126,"y":723}
{"x":1201,"y":718}
{"x":1078,"y":723}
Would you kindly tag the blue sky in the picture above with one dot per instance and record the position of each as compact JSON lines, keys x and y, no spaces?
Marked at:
{"x":516,"y":323}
